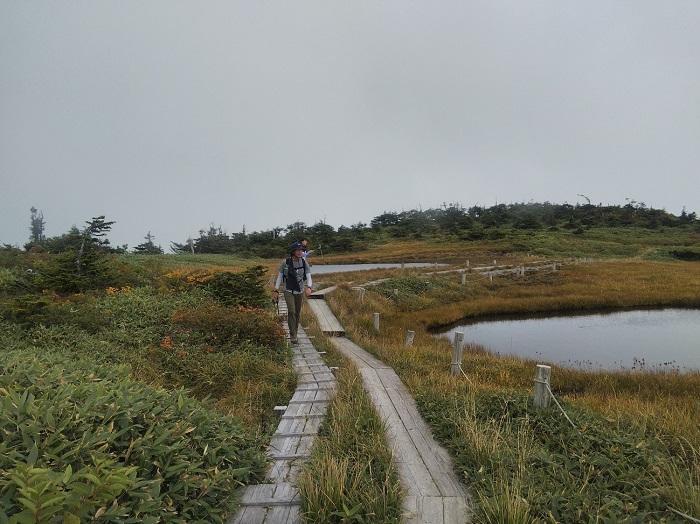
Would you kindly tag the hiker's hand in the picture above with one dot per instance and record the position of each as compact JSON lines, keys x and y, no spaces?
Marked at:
{"x":309,"y":291}
{"x":276,"y":291}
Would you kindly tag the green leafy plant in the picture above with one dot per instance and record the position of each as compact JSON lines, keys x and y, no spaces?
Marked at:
{"x":224,"y":328}
{"x":240,"y":289}
{"x":80,"y":441}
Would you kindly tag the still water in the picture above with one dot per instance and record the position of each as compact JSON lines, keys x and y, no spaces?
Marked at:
{"x":342,"y":268}
{"x":666,"y":339}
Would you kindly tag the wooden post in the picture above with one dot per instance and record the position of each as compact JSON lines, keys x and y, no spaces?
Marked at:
{"x":396,"y":292}
{"x":403,"y":265}
{"x":464,"y":278}
{"x":375,"y":319}
{"x":410,"y":335}
{"x":457,"y":353}
{"x":360,"y":293}
{"x":522,"y":271}
{"x":541,"y":396}
{"x":494,"y":261}
{"x":490,"y":277}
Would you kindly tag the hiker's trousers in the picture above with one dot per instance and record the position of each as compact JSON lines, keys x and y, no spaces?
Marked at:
{"x":294,"y":302}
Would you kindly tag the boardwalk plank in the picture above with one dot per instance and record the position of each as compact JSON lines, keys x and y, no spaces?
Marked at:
{"x":327,"y":321}
{"x":433,"y":492}
{"x":277,"y":501}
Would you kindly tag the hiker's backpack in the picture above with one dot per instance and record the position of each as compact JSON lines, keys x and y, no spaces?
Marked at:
{"x":289,"y":268}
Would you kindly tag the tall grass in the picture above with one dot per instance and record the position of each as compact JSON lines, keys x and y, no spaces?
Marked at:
{"x":350,"y":476}
{"x":598,"y":242}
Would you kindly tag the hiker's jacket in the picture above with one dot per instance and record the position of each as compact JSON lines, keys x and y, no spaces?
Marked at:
{"x":294,"y":273}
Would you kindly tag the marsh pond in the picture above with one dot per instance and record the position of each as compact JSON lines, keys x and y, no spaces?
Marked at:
{"x":652,"y":339}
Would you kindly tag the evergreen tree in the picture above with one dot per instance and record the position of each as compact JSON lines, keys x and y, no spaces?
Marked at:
{"x":36,"y":228}
{"x":84,"y":261}
{"x":148,"y":247}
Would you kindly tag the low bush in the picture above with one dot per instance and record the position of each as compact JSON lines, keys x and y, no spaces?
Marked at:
{"x":244,"y":288}
{"x":685,"y":254}
{"x":30,"y":310}
{"x":83,"y":442}
{"x":225,"y":328}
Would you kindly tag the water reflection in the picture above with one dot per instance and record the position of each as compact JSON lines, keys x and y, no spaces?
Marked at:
{"x":666,"y":339}
{"x":343,"y":268}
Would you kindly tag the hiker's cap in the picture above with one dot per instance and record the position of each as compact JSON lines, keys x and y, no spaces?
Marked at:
{"x":295,"y":246}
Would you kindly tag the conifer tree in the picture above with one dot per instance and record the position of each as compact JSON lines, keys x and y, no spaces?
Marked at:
{"x":148,"y":247}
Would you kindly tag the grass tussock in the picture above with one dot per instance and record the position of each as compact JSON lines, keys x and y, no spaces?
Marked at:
{"x":634,"y":454}
{"x":350,"y":476}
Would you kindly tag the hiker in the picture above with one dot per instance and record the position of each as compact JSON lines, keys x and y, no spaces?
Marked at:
{"x":296,"y":274}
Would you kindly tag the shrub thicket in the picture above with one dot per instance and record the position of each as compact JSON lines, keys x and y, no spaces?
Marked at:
{"x":84,"y":442}
{"x":225,"y":329}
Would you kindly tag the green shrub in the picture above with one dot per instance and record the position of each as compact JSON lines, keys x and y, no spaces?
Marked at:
{"x":246,"y":288}
{"x":8,"y":279}
{"x":225,"y":329}
{"x":30,"y":310}
{"x":233,"y":377}
{"x":84,"y":442}
{"x":685,"y":254}
{"x":416,"y":285}
{"x":60,"y":272}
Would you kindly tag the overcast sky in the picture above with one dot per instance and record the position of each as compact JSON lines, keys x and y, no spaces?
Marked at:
{"x":170,"y":115}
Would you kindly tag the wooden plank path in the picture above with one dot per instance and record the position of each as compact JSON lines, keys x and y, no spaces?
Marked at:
{"x":326,"y":319}
{"x":323,"y":292}
{"x":277,"y":500}
{"x":433,"y":494}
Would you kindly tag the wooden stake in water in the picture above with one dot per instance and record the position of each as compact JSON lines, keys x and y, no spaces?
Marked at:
{"x":410,"y":335}
{"x":375,"y":319}
{"x":541,"y":395}
{"x":457,"y":349}
{"x":464,"y":278}
{"x":490,"y":277}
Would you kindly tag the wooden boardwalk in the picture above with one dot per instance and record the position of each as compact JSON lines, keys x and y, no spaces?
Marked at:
{"x":323,"y":292}
{"x":277,"y":500}
{"x":326,"y":319}
{"x":433,"y":494}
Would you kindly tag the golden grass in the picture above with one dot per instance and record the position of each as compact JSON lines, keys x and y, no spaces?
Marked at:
{"x":663,"y":406}
{"x":595,"y":242}
{"x":668,"y":400}
{"x":601,"y":285}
